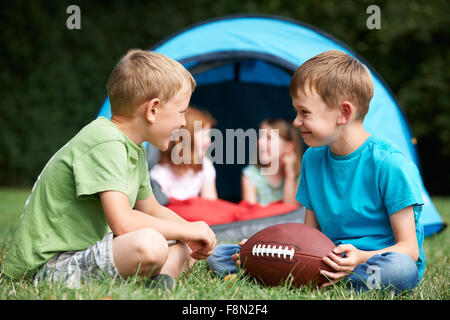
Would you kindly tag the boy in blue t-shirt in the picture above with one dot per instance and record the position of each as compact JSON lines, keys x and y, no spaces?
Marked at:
{"x":358,"y":189}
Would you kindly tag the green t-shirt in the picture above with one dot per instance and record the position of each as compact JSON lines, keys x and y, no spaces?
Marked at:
{"x":64,"y":211}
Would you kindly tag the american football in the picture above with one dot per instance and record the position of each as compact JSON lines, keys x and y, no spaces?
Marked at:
{"x":276,"y":252}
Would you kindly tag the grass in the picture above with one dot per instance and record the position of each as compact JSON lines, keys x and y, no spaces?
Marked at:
{"x":200,"y":284}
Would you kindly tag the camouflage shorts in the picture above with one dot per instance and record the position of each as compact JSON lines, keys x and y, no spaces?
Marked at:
{"x":73,"y":266}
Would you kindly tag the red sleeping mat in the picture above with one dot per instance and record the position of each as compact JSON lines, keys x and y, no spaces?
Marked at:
{"x":221,"y":211}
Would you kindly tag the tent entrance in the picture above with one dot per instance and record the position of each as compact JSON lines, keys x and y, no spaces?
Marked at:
{"x":240,"y":94}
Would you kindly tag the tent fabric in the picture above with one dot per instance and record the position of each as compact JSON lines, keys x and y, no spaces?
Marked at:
{"x":243,"y":64}
{"x":251,"y":71}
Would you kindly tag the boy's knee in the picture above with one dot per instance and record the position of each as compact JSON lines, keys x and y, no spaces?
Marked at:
{"x":394,"y":264}
{"x":151,"y":247}
{"x":187,"y":255}
{"x":387,"y":269}
{"x":186,"y":251}
{"x":400,"y":269}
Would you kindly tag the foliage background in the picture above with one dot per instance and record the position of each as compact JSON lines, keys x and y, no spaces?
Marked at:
{"x":53,"y":79}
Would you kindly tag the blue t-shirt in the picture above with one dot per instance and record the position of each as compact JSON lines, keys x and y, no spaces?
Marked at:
{"x":353,"y":196}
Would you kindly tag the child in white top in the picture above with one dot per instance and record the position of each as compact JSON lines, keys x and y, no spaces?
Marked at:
{"x":195,"y":176}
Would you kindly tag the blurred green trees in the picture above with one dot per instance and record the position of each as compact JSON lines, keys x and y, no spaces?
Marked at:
{"x":53,"y":79}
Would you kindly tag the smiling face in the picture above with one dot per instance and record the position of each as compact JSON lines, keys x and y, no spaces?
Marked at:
{"x":168,"y":117}
{"x":316,"y":121}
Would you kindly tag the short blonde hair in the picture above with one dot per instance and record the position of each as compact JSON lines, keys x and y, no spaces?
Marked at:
{"x":142,"y":75}
{"x":335,"y":76}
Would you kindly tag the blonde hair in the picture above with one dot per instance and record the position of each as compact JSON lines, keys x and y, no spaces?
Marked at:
{"x":192,"y":114}
{"x":140,"y":76}
{"x":335,"y":76}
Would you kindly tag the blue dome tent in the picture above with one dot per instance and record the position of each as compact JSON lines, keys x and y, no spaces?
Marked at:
{"x":243,"y":65}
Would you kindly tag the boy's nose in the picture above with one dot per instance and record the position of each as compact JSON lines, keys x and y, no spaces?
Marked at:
{"x":298,"y":122}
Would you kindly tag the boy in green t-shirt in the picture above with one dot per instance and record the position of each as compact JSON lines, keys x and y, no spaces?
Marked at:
{"x":99,"y":182}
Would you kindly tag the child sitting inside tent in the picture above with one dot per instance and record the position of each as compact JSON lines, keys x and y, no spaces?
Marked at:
{"x":183,"y":170}
{"x":188,"y":178}
{"x":282,"y":151}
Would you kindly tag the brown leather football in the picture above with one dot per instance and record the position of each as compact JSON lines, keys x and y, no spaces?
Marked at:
{"x":274,"y":253}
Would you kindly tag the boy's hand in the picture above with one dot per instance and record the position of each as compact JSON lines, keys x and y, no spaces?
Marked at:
{"x":201,"y":239}
{"x":236,"y":258}
{"x":199,"y":250}
{"x":342,"y":265}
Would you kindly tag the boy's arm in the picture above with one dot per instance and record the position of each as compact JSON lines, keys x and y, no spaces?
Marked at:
{"x":152,"y":207}
{"x":403,"y":226}
{"x":122,"y":219}
{"x":398,"y":183}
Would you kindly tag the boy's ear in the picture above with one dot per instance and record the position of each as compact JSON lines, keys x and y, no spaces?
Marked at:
{"x":151,"y":109}
{"x":346,"y":110}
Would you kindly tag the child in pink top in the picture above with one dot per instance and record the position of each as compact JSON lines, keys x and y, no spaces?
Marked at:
{"x":195,"y":176}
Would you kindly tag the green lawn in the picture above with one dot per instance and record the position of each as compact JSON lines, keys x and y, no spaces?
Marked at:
{"x":200,"y":284}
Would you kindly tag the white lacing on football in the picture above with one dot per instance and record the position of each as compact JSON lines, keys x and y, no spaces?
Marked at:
{"x":272,"y":251}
